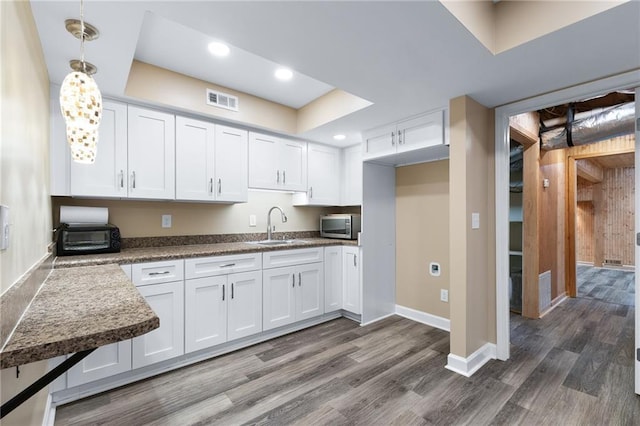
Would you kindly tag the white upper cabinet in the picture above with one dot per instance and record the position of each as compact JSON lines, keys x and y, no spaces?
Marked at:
{"x":194,"y":159}
{"x":351,"y":176}
{"x":108,"y":176}
{"x":151,"y":154}
{"x":276,"y":163}
{"x":323,"y":177}
{"x":211,"y":162}
{"x":231,"y":164}
{"x":414,"y":140}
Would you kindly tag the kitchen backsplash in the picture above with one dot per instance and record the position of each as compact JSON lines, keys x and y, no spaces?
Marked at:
{"x":144,"y":218}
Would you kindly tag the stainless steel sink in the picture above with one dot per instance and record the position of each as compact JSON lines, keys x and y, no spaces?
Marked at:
{"x":275,"y":242}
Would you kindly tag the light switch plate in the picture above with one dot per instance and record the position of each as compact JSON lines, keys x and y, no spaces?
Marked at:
{"x":166,"y":221}
{"x":252,"y":220}
{"x":475,"y":220}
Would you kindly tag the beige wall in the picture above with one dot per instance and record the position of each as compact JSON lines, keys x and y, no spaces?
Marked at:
{"x":422,"y":236}
{"x":472,"y":251}
{"x":331,"y":106}
{"x":164,"y":87}
{"x":506,"y":24}
{"x":144,"y":218}
{"x":24,"y":173}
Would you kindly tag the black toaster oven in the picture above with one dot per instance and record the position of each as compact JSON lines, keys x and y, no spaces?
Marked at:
{"x":87,"y":238}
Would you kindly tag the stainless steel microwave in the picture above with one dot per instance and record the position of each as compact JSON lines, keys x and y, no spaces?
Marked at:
{"x":343,"y":226}
{"x":75,"y":239}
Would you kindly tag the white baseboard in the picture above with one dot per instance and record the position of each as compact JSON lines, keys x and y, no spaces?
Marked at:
{"x":378,"y":319}
{"x":471,"y":364}
{"x":424,"y":318}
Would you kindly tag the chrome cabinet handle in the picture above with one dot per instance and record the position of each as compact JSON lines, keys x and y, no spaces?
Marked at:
{"x":284,"y":177}
{"x":121,"y":178}
{"x":299,"y":279}
{"x":159,"y":273}
{"x":211,"y":186}
{"x":311,"y":192}
{"x":399,"y":137}
{"x":277,"y":176}
{"x":222,"y":291}
{"x":293,"y":280}
{"x":232,"y":290}
{"x":133,"y":180}
{"x":219,"y":186}
{"x":393,"y":136}
{"x":227,"y":265}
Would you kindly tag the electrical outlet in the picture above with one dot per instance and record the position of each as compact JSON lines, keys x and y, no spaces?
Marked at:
{"x":166,"y":221}
{"x":252,"y":220}
{"x":444,"y":295}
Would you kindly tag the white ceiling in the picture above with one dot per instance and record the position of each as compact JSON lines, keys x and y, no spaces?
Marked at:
{"x":405,"y":57}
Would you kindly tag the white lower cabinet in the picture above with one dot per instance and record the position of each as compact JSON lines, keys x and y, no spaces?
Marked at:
{"x":165,"y":295}
{"x":332,"y":279}
{"x":292,"y":293}
{"x":105,"y":361}
{"x":351,"y":279}
{"x":222,"y":308}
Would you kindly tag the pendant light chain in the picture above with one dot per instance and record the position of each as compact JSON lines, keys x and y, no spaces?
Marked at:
{"x":84,"y":67}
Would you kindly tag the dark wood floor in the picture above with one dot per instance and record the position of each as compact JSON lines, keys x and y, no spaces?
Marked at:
{"x":573,"y":367}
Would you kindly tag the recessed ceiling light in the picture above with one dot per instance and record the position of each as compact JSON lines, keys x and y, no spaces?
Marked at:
{"x":284,"y":74}
{"x":218,"y":49}
{"x":339,"y":137}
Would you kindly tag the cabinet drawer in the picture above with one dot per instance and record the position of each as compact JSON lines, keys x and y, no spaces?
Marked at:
{"x":276,"y":259}
{"x":221,"y":265}
{"x":158,"y":272}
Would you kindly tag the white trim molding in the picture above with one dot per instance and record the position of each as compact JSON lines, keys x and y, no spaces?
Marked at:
{"x":377,"y":319}
{"x":469,"y":365}
{"x":423,"y":317}
{"x":49,"y":417}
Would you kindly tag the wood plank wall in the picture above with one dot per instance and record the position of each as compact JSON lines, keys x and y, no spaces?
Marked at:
{"x":618,"y":196}
{"x":617,"y":221}
{"x":552,"y":211}
{"x":584,"y":231}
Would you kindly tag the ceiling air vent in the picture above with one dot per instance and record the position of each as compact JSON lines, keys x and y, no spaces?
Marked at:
{"x":222,"y":100}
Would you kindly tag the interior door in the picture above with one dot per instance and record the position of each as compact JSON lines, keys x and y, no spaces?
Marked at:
{"x":637,"y":254}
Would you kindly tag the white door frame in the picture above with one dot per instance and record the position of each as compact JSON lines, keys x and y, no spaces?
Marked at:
{"x":637,"y":250}
{"x":622,"y":81}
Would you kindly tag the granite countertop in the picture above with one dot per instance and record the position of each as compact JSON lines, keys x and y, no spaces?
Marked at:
{"x":78,"y":309}
{"x":153,"y":254}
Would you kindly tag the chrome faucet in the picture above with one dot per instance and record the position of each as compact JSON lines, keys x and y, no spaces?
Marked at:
{"x":284,"y":219}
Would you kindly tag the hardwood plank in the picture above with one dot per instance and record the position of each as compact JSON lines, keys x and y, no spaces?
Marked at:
{"x":511,"y":414}
{"x":588,"y":373}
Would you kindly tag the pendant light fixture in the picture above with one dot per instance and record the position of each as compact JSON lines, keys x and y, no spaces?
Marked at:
{"x":80,"y":98}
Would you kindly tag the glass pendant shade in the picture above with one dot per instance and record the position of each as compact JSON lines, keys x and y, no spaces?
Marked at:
{"x":81,"y":106}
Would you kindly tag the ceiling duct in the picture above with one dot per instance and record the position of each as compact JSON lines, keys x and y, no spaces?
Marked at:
{"x":587,"y":128}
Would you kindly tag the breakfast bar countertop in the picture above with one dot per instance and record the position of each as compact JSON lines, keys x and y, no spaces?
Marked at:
{"x":153,"y":254}
{"x":78,"y":309}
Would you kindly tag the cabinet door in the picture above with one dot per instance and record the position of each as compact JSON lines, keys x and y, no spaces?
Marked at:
{"x":151,"y":154}
{"x":205,"y":316}
{"x":324,"y":175}
{"x":380,"y":142}
{"x":263,"y":161}
{"x":278,"y":292}
{"x":351,"y":279}
{"x":332,"y":279}
{"x":245,"y":304}
{"x":105,"y":361}
{"x":310,"y":291}
{"x":293,"y":165}
{"x":194,"y":160}
{"x":421,"y":132}
{"x":107,"y":177}
{"x":352,"y":172}
{"x":167,"y":341}
{"x":231,"y":164}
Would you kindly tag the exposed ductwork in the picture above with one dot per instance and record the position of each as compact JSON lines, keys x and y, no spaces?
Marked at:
{"x":589,"y":127}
